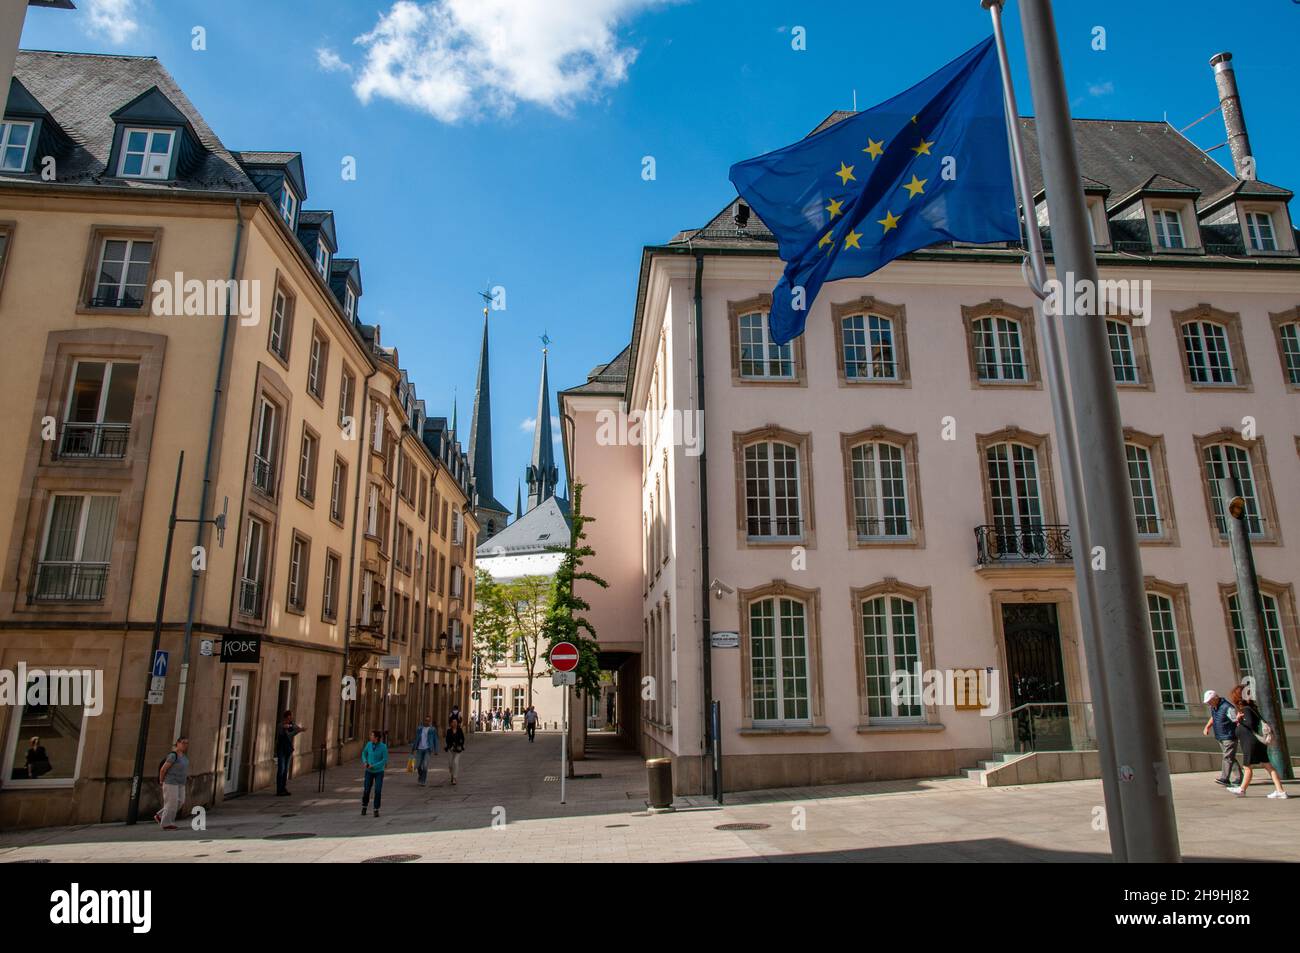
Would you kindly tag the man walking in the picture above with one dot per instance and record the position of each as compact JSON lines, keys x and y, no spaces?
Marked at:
{"x":1223,"y":722}
{"x":530,"y":722}
{"x":284,"y":752}
{"x":172,"y":775}
{"x":426,"y":742}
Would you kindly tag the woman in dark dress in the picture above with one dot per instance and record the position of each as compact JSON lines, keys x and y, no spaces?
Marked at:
{"x":1252,"y":750}
{"x":38,"y":762}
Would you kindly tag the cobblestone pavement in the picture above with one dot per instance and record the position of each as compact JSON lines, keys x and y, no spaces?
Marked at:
{"x":507,"y":808}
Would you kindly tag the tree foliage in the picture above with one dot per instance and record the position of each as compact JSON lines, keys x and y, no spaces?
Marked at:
{"x":507,"y":613}
{"x":564,"y":621}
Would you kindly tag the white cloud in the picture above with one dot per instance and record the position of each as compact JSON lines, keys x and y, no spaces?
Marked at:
{"x":458,"y":59}
{"x":1101,"y":89}
{"x":331,"y":62}
{"x":114,"y":20}
{"x":529,"y":424}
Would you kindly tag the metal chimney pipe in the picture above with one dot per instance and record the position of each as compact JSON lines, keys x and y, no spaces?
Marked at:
{"x":1243,"y":160}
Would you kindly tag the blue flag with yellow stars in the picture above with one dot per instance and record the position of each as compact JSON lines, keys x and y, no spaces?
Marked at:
{"x":927,"y":166}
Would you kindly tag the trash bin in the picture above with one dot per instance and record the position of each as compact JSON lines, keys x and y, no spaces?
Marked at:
{"x":659,"y":773}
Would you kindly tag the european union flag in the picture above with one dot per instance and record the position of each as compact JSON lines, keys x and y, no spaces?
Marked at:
{"x":929,"y":165}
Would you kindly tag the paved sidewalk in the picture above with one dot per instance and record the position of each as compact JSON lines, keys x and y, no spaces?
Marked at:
{"x":507,"y":808}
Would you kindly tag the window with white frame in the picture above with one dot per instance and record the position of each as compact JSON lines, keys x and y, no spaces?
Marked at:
{"x":778,"y":648}
{"x":367,"y":596}
{"x":45,"y":737}
{"x":1272,"y":619}
{"x":1015,"y":500}
{"x":330,"y":589}
{"x":1289,"y":337}
{"x":517,"y":701}
{"x":15,"y":139}
{"x":288,"y":204}
{"x":880,"y":491}
{"x":316,"y":364}
{"x":772,"y":491}
{"x":281,"y":314}
{"x":1259,"y":231}
{"x":372,"y":510}
{"x":759,"y":357}
{"x":298,"y":573}
{"x":1169,"y":228}
{"x":123,"y":275}
{"x":889,"y":645}
{"x":349,"y":303}
{"x":1227,"y":460}
{"x":253,"y":569}
{"x":101,"y":400}
{"x":1146,"y":505}
{"x":264,"y":446}
{"x":347,"y":388}
{"x":338,"y":489}
{"x":868,"y":341}
{"x":146,"y":153}
{"x":498,"y":697}
{"x":307,"y":465}
{"x":77,"y":549}
{"x":1122,"y":360}
{"x":999,"y":352}
{"x":1169,"y":669}
{"x":1209,"y":356}
{"x":323,"y":259}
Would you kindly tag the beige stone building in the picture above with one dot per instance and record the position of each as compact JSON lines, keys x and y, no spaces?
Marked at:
{"x":884,"y":494}
{"x":162,"y":294}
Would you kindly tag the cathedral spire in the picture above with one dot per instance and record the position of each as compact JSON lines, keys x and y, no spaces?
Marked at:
{"x":480,"y":447}
{"x":542,"y":473}
{"x":519,"y":506}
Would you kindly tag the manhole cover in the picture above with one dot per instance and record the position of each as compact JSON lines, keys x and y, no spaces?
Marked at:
{"x":618,"y":825}
{"x":742,"y":827}
{"x":392,"y":859}
{"x":293,"y":835}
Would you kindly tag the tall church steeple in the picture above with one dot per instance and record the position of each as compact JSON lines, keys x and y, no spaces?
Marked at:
{"x":542,"y":473}
{"x":492,"y":516}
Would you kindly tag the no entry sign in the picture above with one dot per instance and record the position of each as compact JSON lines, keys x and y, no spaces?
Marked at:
{"x":564,"y":657}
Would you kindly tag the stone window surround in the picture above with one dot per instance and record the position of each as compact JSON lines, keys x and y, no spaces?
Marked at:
{"x":338,"y":585}
{"x":1187,"y":221}
{"x":1066,"y":633}
{"x":269,"y":515}
{"x":920,"y":596}
{"x":811,"y":599}
{"x":803,"y":443}
{"x":1272,"y":535}
{"x":98,"y":234}
{"x":1042,"y":444}
{"x":1024,"y":317}
{"x":1230,"y":321}
{"x":42,"y":477}
{"x":281,"y":286}
{"x":1154,"y":444}
{"x":865,"y":306}
{"x":1278,"y":320}
{"x":1177,"y":594}
{"x":762,"y":303}
{"x":912,"y":476}
{"x":308,"y":431}
{"x":304,"y":568}
{"x":1282,"y":228}
{"x":7,"y":230}
{"x":341,"y":462}
{"x":322,"y":373}
{"x":274,"y":388}
{"x":1141,"y":351}
{"x":1284,"y":594}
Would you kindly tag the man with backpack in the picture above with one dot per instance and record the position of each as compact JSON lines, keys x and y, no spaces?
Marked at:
{"x":173,"y":772}
{"x":1223,"y":721}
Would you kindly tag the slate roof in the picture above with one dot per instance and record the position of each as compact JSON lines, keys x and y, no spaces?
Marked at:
{"x":544,"y":526}
{"x":81,"y":91}
{"x":607,"y":378}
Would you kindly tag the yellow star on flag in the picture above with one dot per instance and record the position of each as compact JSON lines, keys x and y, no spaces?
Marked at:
{"x":851,"y":239}
{"x":835,"y":208}
{"x":874,"y":149}
{"x":915,"y":187}
{"x":825,"y":240}
{"x":889,"y":221}
{"x":924,"y":148}
{"x":846,"y":174}
{"x":913,"y":119}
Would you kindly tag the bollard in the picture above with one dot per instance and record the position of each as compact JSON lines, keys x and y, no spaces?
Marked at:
{"x":659,"y":772}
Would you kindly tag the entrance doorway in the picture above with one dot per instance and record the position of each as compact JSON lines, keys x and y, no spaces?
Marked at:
{"x":233,"y":746}
{"x":1036,"y":676}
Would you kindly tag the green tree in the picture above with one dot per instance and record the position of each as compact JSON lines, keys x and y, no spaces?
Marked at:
{"x":564,"y":622}
{"x":509,"y":616}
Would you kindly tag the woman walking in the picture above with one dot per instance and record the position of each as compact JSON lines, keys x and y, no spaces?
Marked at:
{"x":455,"y":745}
{"x":374,"y":757}
{"x":1253,"y":750}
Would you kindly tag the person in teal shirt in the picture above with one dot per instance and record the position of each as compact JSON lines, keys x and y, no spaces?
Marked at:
{"x":374,"y":757}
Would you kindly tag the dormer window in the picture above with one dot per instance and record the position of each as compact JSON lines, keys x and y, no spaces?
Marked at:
{"x":288,"y":205}
{"x":1259,"y":231}
{"x":146,"y":153}
{"x":349,"y":304}
{"x":15,"y":138}
{"x":323,"y":259}
{"x":1169,"y":228}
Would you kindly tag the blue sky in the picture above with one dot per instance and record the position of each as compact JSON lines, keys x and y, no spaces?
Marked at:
{"x":500,"y":142}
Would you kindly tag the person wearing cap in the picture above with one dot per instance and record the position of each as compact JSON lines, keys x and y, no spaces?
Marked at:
{"x":1223,"y":721}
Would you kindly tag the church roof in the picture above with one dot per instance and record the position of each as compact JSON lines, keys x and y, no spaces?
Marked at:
{"x":542,"y":528}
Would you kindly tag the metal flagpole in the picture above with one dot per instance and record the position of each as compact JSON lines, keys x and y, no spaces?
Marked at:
{"x":1063,"y":416}
{"x":1126,"y":679}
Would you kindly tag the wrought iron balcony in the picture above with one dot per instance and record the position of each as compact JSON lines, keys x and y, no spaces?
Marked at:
{"x":1011,"y":543}
{"x":884,"y":528}
{"x":94,"y":440}
{"x":125,"y":300}
{"x":69,"y":582}
{"x":759,"y":528}
{"x":262,"y":473}
{"x":250,"y":597}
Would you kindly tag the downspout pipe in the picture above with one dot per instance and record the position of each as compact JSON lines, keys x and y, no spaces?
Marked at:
{"x":706,"y":622}
{"x":201,"y":526}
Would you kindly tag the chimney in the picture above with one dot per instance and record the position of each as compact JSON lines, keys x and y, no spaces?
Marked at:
{"x":1243,"y":162}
